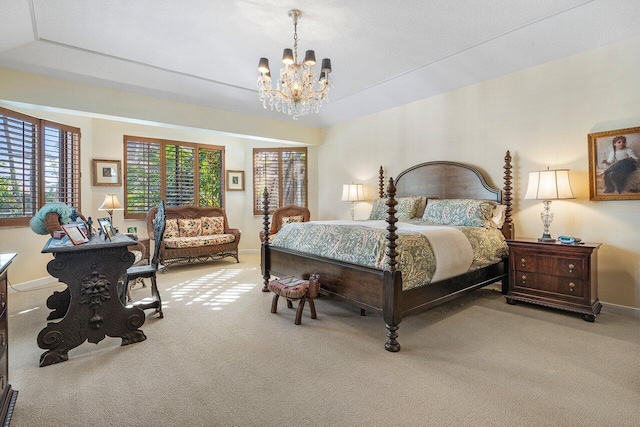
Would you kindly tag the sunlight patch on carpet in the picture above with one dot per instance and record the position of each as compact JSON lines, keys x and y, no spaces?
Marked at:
{"x":214,"y":290}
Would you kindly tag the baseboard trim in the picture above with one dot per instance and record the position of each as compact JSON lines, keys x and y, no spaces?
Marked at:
{"x":621,"y":309}
{"x":43,"y":282}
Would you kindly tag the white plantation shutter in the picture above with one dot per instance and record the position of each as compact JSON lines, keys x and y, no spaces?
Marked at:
{"x":39,"y":163}
{"x":284,"y":173}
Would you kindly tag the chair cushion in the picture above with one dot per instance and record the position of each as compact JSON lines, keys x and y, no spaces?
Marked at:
{"x":289,"y":219}
{"x":192,"y":242}
{"x":212,"y":225}
{"x":190,"y":227}
{"x":171,"y":229}
{"x":289,"y":287}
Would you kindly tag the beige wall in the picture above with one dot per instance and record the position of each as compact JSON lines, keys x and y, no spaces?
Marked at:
{"x":102,"y":138}
{"x":543,"y":115}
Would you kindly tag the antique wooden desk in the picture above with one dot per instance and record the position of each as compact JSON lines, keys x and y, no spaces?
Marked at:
{"x":89,"y":308}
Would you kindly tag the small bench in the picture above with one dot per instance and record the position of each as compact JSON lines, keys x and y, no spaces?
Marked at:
{"x":293,"y":288}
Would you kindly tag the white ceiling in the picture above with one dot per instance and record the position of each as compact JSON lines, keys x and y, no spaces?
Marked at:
{"x":384,"y":53}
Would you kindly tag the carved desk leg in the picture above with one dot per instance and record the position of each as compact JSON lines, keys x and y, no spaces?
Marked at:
{"x":94,"y":309}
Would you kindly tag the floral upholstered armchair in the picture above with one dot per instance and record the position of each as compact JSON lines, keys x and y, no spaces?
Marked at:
{"x":285,"y":215}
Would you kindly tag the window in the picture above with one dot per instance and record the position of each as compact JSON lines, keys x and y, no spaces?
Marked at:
{"x":284,"y":172}
{"x":39,"y":163}
{"x":181,"y":173}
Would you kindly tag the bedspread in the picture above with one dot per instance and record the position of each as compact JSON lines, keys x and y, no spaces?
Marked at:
{"x":420,"y":260}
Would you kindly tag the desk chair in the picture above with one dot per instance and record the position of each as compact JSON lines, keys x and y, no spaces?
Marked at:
{"x":149,"y":271}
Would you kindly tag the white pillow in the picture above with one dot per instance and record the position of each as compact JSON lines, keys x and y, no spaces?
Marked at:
{"x":498,"y":217}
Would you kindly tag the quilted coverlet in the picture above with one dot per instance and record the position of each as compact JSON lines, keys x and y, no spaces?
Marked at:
{"x":364,"y":243}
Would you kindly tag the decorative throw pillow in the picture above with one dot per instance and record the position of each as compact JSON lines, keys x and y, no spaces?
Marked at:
{"x":171,"y":229}
{"x":190,"y":227}
{"x":212,"y":225}
{"x":289,"y":219}
{"x":422,"y":204}
{"x":459,"y":212}
{"x":378,"y":210}
{"x":406,"y":208}
{"x":497,"y":220}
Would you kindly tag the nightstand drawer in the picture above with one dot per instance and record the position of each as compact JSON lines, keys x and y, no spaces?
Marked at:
{"x":551,"y":284}
{"x":571,"y":267}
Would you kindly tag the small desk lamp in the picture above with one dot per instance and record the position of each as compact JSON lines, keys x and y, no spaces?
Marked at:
{"x":110,"y":204}
{"x":352,"y":193}
{"x":547,"y":186}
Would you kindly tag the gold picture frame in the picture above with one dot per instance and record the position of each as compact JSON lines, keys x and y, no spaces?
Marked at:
{"x":106,"y":173}
{"x":613,"y":171}
{"x":235,"y":180}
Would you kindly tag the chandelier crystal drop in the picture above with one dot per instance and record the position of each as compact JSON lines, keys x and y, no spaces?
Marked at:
{"x":297,"y":92}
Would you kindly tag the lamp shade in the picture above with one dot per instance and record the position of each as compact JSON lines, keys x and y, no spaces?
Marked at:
{"x":110,"y":203}
{"x":549,"y":185}
{"x":352,"y":193}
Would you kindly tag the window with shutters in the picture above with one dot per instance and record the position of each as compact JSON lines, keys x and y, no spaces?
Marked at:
{"x":39,"y":163}
{"x":283,"y":171}
{"x":181,"y":173}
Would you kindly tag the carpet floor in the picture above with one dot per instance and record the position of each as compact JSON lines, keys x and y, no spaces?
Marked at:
{"x":220,"y":358}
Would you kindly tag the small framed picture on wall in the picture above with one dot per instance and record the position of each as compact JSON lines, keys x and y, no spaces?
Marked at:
{"x":235,"y":180}
{"x":107,"y":172}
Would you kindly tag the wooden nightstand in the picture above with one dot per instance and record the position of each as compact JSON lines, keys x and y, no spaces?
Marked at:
{"x":555,"y":275}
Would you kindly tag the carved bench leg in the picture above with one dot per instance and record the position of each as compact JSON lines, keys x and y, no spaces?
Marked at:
{"x":274,"y":303}
{"x":289,"y":303}
{"x":299,"y":311}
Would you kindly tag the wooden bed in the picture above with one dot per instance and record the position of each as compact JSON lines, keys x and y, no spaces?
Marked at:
{"x":380,"y":291}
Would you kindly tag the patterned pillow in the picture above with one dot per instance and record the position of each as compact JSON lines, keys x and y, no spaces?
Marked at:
{"x":460,"y":212}
{"x":289,"y":219}
{"x":171,"y":229}
{"x":190,"y":227}
{"x":406,"y":208}
{"x":212,"y":225}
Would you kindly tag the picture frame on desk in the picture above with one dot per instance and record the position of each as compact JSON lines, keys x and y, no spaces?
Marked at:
{"x":106,"y":227}
{"x":75,"y":234}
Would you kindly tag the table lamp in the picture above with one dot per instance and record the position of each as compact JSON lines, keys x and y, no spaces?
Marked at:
{"x":547,"y":186}
{"x":352,"y":193}
{"x":110,"y":204}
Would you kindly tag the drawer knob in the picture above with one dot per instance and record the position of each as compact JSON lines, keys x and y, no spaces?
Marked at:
{"x":523,"y":262}
{"x":571,"y":267}
{"x":524,"y":279}
{"x":571,"y":286}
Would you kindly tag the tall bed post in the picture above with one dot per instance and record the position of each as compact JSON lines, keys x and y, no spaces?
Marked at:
{"x":381,"y":184}
{"x":508,"y":230}
{"x":265,"y":242}
{"x":392,"y":281}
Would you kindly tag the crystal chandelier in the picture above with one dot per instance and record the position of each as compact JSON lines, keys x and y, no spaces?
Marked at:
{"x":296,"y":92}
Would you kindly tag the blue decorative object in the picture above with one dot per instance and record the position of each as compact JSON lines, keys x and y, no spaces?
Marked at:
{"x":37,"y":222}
